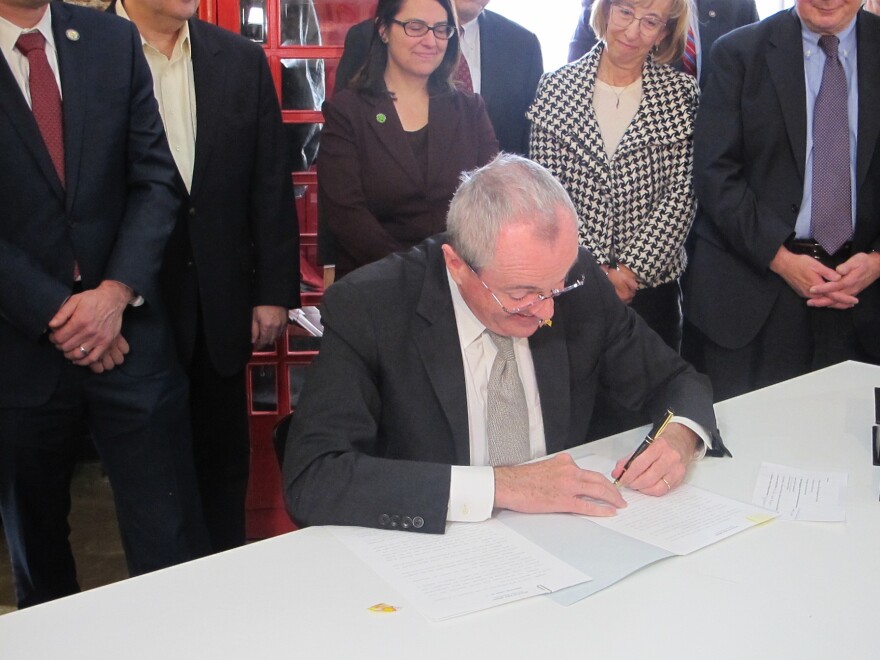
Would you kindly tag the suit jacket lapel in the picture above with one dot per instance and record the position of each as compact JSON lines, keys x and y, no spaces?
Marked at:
{"x":785,"y":60}
{"x":210,"y":83}
{"x":443,"y":129}
{"x":440,"y":351}
{"x":21,"y":118}
{"x":492,"y":50}
{"x":385,"y":124}
{"x":869,"y":98}
{"x":550,"y":357}
{"x":74,"y":71}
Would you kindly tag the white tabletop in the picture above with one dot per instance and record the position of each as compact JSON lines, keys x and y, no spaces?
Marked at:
{"x":782,"y":590}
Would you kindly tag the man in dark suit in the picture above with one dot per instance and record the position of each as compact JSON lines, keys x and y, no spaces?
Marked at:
{"x":83,"y":333}
{"x":769,"y":300}
{"x":402,"y":425}
{"x":231,"y":269}
{"x":510,"y":66}
{"x":715,"y":18}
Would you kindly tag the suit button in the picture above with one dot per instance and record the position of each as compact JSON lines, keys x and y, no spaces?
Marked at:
{"x":395,"y":520}
{"x":795,"y":208}
{"x":418,"y":522}
{"x":189,"y":264}
{"x":192,"y":212}
{"x":384,"y":519}
{"x":406,"y":523}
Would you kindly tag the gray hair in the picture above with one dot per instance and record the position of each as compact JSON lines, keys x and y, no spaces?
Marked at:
{"x":509,"y":190}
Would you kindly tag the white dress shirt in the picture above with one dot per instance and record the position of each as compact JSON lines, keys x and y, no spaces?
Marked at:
{"x":18,"y":63}
{"x":470,"y":50}
{"x":174,"y":88}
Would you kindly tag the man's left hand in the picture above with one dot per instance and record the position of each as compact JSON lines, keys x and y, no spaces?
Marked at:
{"x":663,"y":465}
{"x":268,"y":322}
{"x":857,"y":273}
{"x":88,"y":323}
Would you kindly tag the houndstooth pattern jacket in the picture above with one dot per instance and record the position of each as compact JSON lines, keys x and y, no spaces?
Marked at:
{"x":638,"y":206}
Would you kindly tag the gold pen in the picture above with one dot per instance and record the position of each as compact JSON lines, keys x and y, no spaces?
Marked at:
{"x":656,"y":430}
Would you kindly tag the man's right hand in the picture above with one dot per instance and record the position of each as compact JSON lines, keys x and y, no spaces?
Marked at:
{"x":801,"y":272}
{"x":113,"y":356}
{"x":555,"y":485}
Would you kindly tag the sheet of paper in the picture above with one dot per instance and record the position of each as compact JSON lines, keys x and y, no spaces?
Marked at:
{"x":474,"y":566}
{"x":685,"y":520}
{"x":801,"y":494}
{"x":601,"y":553}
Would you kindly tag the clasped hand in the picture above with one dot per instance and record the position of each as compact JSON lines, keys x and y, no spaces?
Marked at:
{"x":826,"y":287}
{"x":87,"y":327}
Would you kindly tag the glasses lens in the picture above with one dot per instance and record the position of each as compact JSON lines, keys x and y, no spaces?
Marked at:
{"x":651,"y":25}
{"x":415,"y":28}
{"x":444,"y":30}
{"x":623,"y":15}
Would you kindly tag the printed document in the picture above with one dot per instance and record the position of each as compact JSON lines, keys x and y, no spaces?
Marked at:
{"x":801,"y":494}
{"x":474,"y":566}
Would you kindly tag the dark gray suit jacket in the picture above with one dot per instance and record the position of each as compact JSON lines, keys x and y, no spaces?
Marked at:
{"x":383,"y":414}
{"x":750,"y":153}
{"x":717,"y":17}
{"x":510,"y":67}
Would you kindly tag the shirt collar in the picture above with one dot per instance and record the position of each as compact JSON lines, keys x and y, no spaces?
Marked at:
{"x":847,"y":38}
{"x":9,"y":32}
{"x":469,"y":326}
{"x":181,"y":48}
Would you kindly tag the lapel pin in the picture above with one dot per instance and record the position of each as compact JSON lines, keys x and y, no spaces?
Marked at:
{"x":72,"y":35}
{"x":381,"y":118}
{"x":712,"y":13}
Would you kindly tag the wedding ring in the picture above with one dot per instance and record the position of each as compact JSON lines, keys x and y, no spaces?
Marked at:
{"x":83,"y":350}
{"x":668,"y":487}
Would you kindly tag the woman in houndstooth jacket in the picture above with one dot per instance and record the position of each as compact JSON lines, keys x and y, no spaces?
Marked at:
{"x":616,"y":128}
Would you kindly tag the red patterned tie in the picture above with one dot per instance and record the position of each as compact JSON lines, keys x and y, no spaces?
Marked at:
{"x":831,"y":210}
{"x":689,"y":59}
{"x":462,"y":75}
{"x":45,"y":97}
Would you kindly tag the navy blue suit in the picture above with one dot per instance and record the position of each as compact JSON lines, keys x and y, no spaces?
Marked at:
{"x":113,"y":219}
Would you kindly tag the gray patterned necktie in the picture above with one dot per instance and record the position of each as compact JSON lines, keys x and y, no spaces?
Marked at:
{"x":507,"y":414}
{"x":831,"y":211}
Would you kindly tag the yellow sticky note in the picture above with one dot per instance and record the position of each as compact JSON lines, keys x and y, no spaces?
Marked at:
{"x":759,"y":518}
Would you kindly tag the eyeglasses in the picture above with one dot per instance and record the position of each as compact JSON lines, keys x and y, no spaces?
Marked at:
{"x":416,"y":28}
{"x":539,"y":297}
{"x":622,"y":16}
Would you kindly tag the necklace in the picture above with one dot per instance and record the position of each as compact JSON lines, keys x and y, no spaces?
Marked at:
{"x":622,"y":90}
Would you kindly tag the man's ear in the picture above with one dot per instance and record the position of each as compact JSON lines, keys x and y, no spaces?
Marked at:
{"x":454,"y":264}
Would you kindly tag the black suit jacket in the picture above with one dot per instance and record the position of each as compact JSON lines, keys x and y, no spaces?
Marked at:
{"x":113,"y":217}
{"x":383,"y":413}
{"x":750,"y":153}
{"x":510,"y":67}
{"x":236,"y":242}
{"x":373,"y":195}
{"x":717,"y":17}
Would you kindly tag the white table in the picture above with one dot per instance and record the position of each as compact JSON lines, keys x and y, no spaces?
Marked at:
{"x":782,"y":590}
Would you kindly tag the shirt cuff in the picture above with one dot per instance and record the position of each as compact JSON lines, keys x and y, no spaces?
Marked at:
{"x":471,"y":493}
{"x":700,"y":451}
